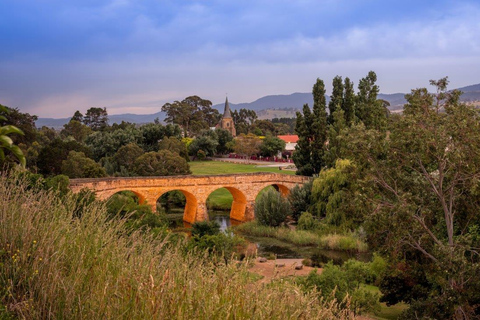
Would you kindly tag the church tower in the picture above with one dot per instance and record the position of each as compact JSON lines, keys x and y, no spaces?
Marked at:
{"x":227,"y":120}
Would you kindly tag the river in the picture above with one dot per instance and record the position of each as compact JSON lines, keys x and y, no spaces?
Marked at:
{"x":281,"y":249}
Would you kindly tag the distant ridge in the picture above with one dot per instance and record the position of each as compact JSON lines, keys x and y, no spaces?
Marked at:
{"x":291,"y":103}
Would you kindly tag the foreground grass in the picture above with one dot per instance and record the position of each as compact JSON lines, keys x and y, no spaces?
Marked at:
{"x":218,"y":167}
{"x":56,"y":266}
{"x":304,"y":238}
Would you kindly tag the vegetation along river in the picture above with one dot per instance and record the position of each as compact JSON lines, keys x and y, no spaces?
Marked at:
{"x":270,"y":246}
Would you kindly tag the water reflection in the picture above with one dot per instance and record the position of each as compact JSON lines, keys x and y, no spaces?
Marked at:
{"x":282,"y":250}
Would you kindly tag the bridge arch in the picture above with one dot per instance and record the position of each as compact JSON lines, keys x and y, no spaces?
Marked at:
{"x":245,"y":187}
{"x":191,"y":205}
{"x":239,"y":203}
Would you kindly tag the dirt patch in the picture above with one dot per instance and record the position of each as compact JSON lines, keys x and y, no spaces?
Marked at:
{"x":280,"y":268}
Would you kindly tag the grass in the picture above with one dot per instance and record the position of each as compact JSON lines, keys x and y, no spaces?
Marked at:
{"x":55,"y":265}
{"x":218,"y":167}
{"x":220,"y":199}
{"x":304,"y":238}
{"x":387,"y":313}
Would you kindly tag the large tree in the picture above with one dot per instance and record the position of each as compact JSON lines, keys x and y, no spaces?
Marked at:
{"x":302,"y":157}
{"x":319,"y":126}
{"x":336,"y":99}
{"x":193,"y":114}
{"x":427,"y":199}
{"x":161,"y":163}
{"x":95,"y":118}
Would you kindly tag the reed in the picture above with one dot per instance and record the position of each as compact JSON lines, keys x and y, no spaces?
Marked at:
{"x":55,"y":266}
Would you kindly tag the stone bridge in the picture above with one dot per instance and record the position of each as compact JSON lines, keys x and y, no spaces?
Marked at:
{"x":243,"y":187}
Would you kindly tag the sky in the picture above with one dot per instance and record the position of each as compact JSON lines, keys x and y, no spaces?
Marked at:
{"x":133,"y":56}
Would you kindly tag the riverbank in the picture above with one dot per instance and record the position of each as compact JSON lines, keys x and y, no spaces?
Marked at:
{"x":280,"y":268}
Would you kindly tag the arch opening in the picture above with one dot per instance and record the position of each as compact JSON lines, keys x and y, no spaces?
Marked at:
{"x":284,"y":191}
{"x":228,"y":199}
{"x":176,"y":202}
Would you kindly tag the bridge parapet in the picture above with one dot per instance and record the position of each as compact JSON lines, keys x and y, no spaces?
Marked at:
{"x":244,"y":188}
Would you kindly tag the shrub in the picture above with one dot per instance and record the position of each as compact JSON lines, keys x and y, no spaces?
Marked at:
{"x":307,"y":222}
{"x":342,"y":282}
{"x":300,"y":199}
{"x":203,"y":228}
{"x":271,"y":209}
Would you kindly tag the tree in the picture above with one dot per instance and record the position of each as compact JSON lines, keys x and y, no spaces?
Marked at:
{"x":125,"y":157}
{"x":23,"y":121}
{"x":368,"y":109}
{"x":77,"y":116}
{"x":224,"y":138}
{"x":271,"y":146}
{"x":106,"y":143}
{"x":153,"y":133}
{"x":6,"y":143}
{"x":247,"y":144}
{"x":76,"y":129}
{"x":427,"y":203}
{"x":302,"y":155}
{"x":205,"y":143}
{"x":265,"y":127}
{"x":161,"y":163}
{"x":51,"y":156}
{"x":193,"y":114}
{"x":96,"y":118}
{"x":333,"y":195}
{"x":243,"y":120}
{"x":174,"y":145}
{"x":319,"y":127}
{"x":77,"y":165}
{"x":271,"y":208}
{"x":336,"y":99}
{"x":348,"y":104}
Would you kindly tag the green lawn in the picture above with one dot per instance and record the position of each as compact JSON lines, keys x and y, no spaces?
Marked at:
{"x":218,"y":167}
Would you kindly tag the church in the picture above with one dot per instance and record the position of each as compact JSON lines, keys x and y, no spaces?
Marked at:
{"x":226,"y":122}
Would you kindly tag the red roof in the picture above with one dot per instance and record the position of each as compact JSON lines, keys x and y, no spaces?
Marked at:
{"x":293,"y":138}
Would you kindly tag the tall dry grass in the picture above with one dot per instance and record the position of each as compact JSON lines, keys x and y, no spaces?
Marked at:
{"x":53,"y":266}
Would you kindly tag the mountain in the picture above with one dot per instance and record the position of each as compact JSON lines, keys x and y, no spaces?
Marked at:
{"x":267,"y":107}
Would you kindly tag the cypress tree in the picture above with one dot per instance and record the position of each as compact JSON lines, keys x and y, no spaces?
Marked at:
{"x":348,"y":103}
{"x":319,"y":126}
{"x":302,"y":155}
{"x":336,"y":99}
{"x":368,"y":109}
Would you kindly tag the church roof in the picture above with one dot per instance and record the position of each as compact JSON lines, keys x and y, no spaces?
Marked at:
{"x":227,"y":113}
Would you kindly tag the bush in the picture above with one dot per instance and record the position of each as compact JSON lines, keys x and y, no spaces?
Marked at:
{"x":203,"y":228}
{"x":300,"y":199}
{"x":271,"y":209}
{"x":338,"y":282}
{"x":307,"y":222}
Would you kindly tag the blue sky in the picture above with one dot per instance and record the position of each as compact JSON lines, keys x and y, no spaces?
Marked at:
{"x":133,"y":56}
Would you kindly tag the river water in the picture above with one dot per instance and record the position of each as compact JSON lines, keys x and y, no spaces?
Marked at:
{"x":282,"y":250}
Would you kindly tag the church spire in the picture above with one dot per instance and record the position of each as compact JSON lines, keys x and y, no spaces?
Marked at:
{"x":227,"y":113}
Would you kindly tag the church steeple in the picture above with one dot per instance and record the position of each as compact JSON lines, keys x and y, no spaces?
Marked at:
{"x":227,"y":121}
{"x":227,"y":113}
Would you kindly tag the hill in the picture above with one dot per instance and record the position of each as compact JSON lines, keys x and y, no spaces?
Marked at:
{"x":268,"y":107}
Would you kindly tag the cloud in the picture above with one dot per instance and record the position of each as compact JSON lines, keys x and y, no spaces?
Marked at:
{"x":130,"y":55}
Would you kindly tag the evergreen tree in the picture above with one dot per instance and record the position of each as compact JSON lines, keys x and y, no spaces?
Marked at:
{"x":96,"y":118}
{"x":368,"y":109}
{"x":302,"y":155}
{"x":319,"y":126}
{"x":77,"y":116}
{"x":348,"y":103}
{"x":336,"y":99}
